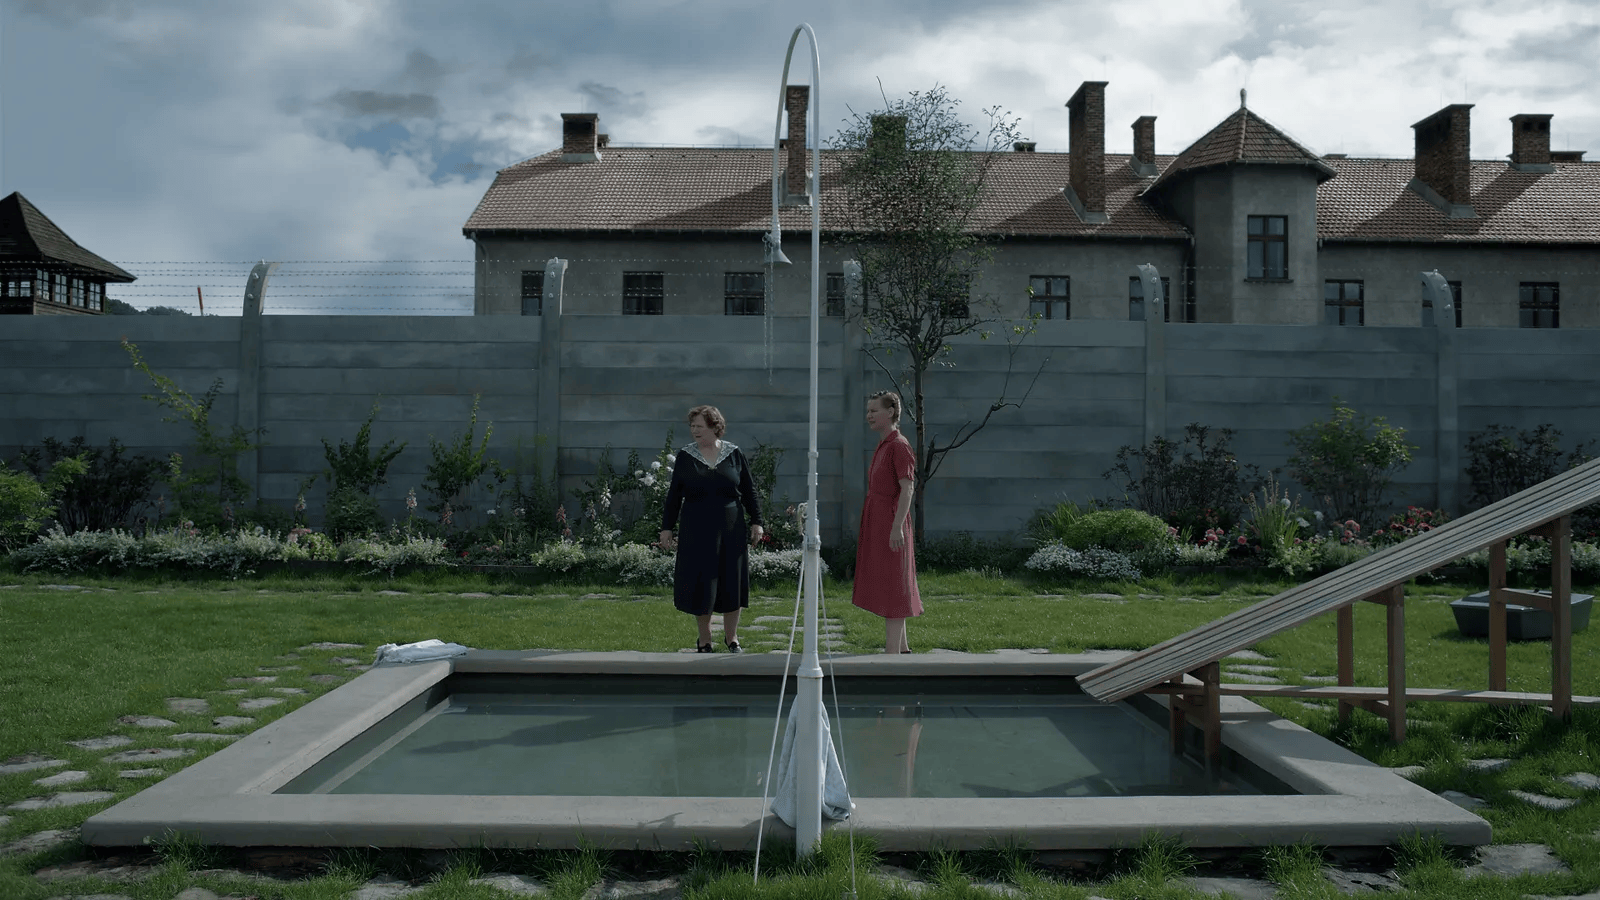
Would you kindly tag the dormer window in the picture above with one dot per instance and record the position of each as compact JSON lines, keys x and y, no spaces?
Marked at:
{"x":1268,"y":247}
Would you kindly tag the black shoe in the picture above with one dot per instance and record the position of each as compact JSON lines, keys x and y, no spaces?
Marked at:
{"x":733,"y":647}
{"x":705,"y":648}
{"x":905,"y":651}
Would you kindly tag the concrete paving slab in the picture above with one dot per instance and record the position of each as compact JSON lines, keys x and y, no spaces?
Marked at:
{"x":29,"y":762}
{"x":897,"y":878}
{"x":108,"y":870}
{"x":149,"y":754}
{"x":331,"y":645}
{"x":1249,"y":678}
{"x":197,"y":893}
{"x":253,"y":679}
{"x":188,"y":705}
{"x":655,"y":889}
{"x":1465,"y":801}
{"x":1487,"y":765}
{"x":1246,"y":654}
{"x":1410,"y":772}
{"x":385,"y":887}
{"x":39,"y":840}
{"x":204,"y":736}
{"x":254,"y":703}
{"x":109,"y":742}
{"x":65,"y":798}
{"x":1254,"y":668}
{"x":138,"y":773}
{"x":61,"y":779}
{"x":277,"y":668}
{"x":4,"y":821}
{"x":232,"y":721}
{"x":1361,"y":882}
{"x":1511,"y":860}
{"x":345,"y":661}
{"x":147,"y":721}
{"x":328,"y":679}
{"x":288,"y":691}
{"x":1320,"y":679}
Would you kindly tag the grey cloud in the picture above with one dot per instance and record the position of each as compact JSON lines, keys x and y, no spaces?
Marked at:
{"x":1572,"y":43}
{"x":365,"y":103}
{"x":613,"y":100}
{"x":1274,"y":23}
{"x":423,"y":67}
{"x":526,"y":62}
{"x":72,"y":10}
{"x":717,"y":134}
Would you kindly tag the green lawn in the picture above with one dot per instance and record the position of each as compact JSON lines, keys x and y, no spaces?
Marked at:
{"x":76,"y":660}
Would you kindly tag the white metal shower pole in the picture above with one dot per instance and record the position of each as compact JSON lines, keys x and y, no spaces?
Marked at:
{"x":808,"y":747}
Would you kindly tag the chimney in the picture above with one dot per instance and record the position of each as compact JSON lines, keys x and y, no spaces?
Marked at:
{"x":1566,"y":156}
{"x":1444,"y":162}
{"x":1086,"y":137}
{"x":1024,"y":146}
{"x":1144,"y":146}
{"x":796,"y":97}
{"x":1530,"y":143}
{"x":887,"y":131}
{"x":580,"y":137}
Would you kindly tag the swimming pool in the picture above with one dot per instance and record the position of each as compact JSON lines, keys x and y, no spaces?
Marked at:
{"x":656,"y":750}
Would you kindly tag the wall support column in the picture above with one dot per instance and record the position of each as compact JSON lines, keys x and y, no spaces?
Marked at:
{"x":1447,"y":428}
{"x":248,"y":415}
{"x":1155,"y":353}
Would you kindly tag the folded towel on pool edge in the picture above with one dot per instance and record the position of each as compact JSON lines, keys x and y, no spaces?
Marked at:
{"x":836,"y":802}
{"x":417,"y":651}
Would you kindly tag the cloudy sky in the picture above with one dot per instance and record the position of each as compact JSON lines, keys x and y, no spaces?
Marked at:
{"x":184,"y":138}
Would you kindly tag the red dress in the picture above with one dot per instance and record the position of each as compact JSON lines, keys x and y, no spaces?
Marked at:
{"x":886,"y":581}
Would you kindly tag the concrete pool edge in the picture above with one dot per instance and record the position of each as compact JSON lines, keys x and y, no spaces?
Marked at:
{"x":227,"y":797}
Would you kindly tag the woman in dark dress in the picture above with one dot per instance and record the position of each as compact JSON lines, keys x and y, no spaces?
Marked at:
{"x":709,"y":498}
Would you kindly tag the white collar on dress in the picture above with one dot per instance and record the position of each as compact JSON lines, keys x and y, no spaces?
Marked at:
{"x":724,"y":448}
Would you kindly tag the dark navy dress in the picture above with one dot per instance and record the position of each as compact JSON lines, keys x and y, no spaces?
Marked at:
{"x":709,"y":502}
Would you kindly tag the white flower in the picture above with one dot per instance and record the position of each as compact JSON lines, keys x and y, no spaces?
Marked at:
{"x":638,"y":473}
{"x":1302,"y":523}
{"x":669,"y":470}
{"x":649,"y":480}
{"x":488,"y":512}
{"x":1285,"y":501}
{"x":1319,"y":516}
{"x":655,"y":465}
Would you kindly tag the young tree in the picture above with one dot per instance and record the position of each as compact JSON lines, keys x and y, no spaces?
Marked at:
{"x":914,"y":175}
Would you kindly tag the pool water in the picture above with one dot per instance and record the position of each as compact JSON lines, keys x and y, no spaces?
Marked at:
{"x":712,"y":741}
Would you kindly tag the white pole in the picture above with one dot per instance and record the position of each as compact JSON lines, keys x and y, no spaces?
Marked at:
{"x":808,"y":751}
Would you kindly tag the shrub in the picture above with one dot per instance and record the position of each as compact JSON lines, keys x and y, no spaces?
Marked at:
{"x":1274,"y":522}
{"x":354,"y":466}
{"x":205,"y":492}
{"x":113,"y":488}
{"x":1350,"y":468}
{"x":1414,"y":521}
{"x":961,"y":551}
{"x":781,"y":525}
{"x":1123,"y":530}
{"x":26,"y":502}
{"x":1060,"y":560}
{"x":351,"y":513}
{"x":1204,"y":488}
{"x":533,"y":499}
{"x":1502,"y":462}
{"x":386,"y":556}
{"x":183,"y":548}
{"x":80,"y":551}
{"x":457,"y":467}
{"x":1051,"y":524}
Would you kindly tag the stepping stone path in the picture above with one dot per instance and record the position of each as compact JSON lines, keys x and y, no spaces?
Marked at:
{"x":1465,"y":801}
{"x":1583,"y":781}
{"x":138,"y":773}
{"x":40,"y":840}
{"x":515,"y":885}
{"x":1116,"y":597}
{"x":255,"y":703}
{"x":61,"y":779}
{"x":1252,"y":667}
{"x":1551,"y":803}
{"x":102,"y":743}
{"x":1511,"y":860}
{"x":188,"y":705}
{"x":204,"y":736}
{"x":277,"y":668}
{"x":147,"y":721}
{"x":239,"y":692}
{"x":1320,"y":679}
{"x":476,"y":595}
{"x":1361,"y":882}
{"x":330,"y":645}
{"x":1246,"y":654}
{"x":326,"y":679}
{"x":286,"y":691}
{"x":153,"y":754}
{"x":345,"y":661}
{"x":253,"y":679}
{"x":392,"y":594}
{"x":232,"y":721}
{"x":65,"y":798}
{"x":1251,"y":678}
{"x":1487,"y":765}
{"x":29,"y":763}
{"x":1409,"y":771}
{"x":1241,"y":888}
{"x":385,"y":887}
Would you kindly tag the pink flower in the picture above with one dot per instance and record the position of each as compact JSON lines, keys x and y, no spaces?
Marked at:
{"x":1425,"y":527}
{"x":1349,"y":535}
{"x":1242,"y":541}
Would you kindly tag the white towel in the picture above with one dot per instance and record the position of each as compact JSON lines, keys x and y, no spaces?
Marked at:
{"x":417,"y":651}
{"x":836,"y":803}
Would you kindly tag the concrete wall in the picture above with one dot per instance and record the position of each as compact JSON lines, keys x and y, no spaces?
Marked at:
{"x":624,"y":381}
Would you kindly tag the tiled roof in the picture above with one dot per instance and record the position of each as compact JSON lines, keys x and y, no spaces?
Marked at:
{"x":1369,"y":201}
{"x":1243,"y":137}
{"x":703,"y":189}
{"x":28,"y":235}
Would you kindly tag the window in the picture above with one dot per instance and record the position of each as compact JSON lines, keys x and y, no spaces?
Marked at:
{"x":533,"y":293}
{"x":1052,"y":296}
{"x":1342,"y":303}
{"x":641,"y":293}
{"x":19,"y":287}
{"x":1539,"y":305}
{"x":955,"y":296}
{"x":78,"y":297}
{"x":1136,"y":299}
{"x":97,"y":296}
{"x":1268,"y":247}
{"x":60,"y":295}
{"x":835,"y":294}
{"x":744,"y":293}
{"x":1455,"y":301}
{"x":42,"y":282}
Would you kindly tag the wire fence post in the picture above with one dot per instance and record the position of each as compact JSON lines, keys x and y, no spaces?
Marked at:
{"x":1447,"y":429}
{"x":548,"y":452}
{"x":1155,"y":353}
{"x":248,"y":414}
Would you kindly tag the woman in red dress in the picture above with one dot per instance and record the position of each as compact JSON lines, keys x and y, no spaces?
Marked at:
{"x":886,"y":562}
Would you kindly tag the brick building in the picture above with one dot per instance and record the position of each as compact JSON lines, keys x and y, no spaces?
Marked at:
{"x":1246,"y":225}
